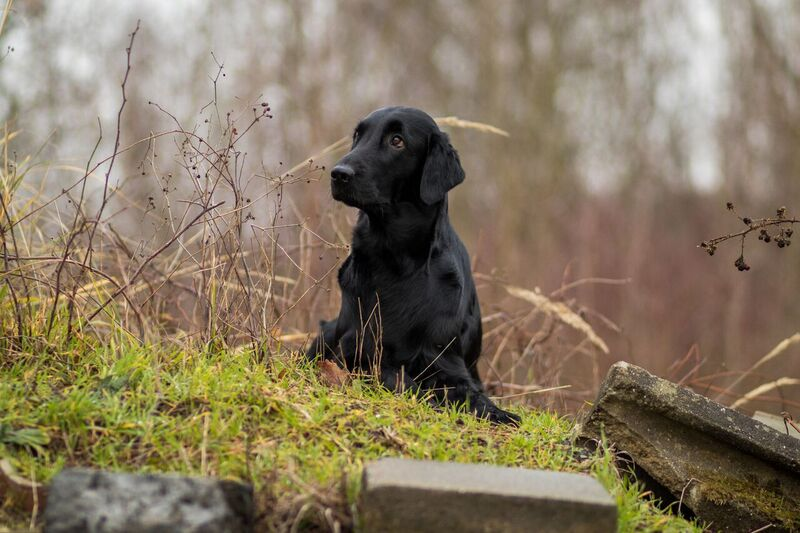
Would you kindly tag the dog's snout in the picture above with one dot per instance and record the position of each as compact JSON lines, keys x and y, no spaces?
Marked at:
{"x":342,"y":173}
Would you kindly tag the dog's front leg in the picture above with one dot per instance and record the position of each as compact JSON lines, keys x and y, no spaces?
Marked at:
{"x":397,"y":379}
{"x":454,"y":383}
{"x":324,"y":344}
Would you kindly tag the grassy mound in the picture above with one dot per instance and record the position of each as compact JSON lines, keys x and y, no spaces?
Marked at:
{"x":276,"y":424}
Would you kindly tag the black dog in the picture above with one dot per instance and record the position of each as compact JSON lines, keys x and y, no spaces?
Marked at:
{"x":409,"y":306}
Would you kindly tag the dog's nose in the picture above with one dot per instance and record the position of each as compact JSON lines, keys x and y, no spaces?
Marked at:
{"x":342,"y":173}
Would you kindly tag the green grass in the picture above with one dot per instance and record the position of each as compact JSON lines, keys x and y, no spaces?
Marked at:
{"x":300,"y":442}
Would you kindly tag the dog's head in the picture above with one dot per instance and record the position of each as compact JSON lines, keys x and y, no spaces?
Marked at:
{"x":398,"y":154}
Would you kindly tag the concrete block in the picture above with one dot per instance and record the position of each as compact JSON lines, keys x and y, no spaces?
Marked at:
{"x":429,"y":496}
{"x":728,"y":469}
{"x":81,"y":500}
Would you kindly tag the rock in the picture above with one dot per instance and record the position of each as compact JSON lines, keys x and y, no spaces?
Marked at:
{"x":408,"y":495}
{"x":81,"y":500}
{"x":730,"y":470}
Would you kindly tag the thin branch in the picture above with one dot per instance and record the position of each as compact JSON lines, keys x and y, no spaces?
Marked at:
{"x":782,"y":237}
{"x":150,"y":258}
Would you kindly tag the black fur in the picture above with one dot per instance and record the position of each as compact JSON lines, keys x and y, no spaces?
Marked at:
{"x":409,"y":305}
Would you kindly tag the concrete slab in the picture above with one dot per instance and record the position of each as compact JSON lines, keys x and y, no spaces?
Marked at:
{"x":81,"y":500}
{"x":727,"y":468}
{"x":430,"y":496}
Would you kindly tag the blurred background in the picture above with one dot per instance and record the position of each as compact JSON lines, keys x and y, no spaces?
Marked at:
{"x":630,"y":125}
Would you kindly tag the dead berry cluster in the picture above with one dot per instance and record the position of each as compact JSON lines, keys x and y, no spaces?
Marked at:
{"x":782,"y":238}
{"x":777,"y":229}
{"x":741,"y":265}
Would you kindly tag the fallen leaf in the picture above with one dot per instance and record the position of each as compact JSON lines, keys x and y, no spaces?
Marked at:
{"x":332,"y":374}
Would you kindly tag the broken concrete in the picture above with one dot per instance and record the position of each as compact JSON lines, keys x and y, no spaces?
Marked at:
{"x":730,"y":470}
{"x":429,"y":496}
{"x":82,"y":500}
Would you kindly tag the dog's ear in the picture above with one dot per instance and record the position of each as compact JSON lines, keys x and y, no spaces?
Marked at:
{"x":442,"y":170}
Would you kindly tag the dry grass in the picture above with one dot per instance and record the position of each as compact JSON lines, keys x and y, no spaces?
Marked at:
{"x":4,"y":17}
{"x":561,"y":312}
{"x":763,"y":389}
{"x":780,"y":348}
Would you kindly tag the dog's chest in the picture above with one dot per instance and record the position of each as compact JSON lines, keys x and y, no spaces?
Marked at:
{"x":432,"y":289}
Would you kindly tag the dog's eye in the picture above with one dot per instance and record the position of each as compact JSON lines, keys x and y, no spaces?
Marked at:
{"x":397,"y":142}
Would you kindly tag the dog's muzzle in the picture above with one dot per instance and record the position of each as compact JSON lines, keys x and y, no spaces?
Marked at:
{"x":342,"y":173}
{"x":343,"y":184}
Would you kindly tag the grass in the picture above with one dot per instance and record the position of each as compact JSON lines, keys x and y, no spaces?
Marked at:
{"x":277,"y":424}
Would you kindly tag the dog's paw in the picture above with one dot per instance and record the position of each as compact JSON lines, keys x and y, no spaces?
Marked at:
{"x":498,"y":416}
